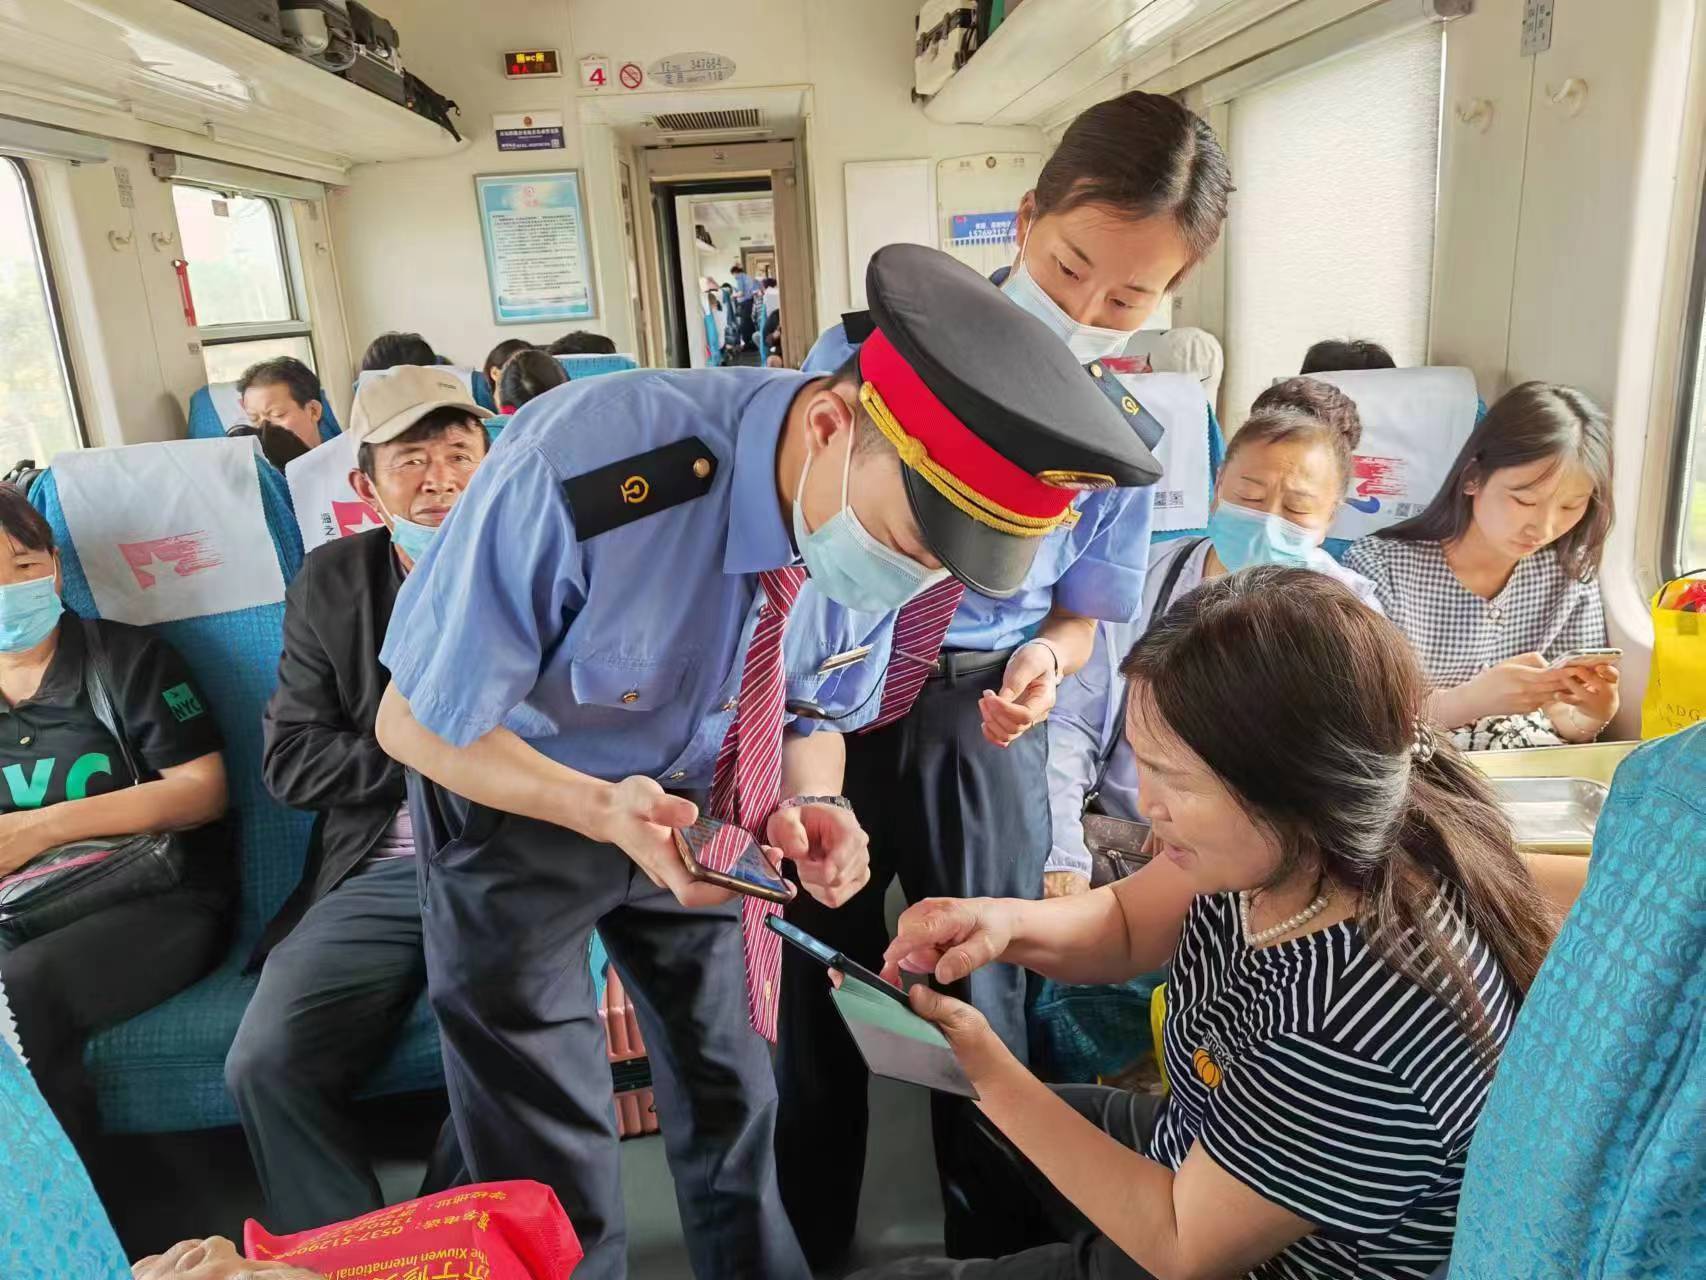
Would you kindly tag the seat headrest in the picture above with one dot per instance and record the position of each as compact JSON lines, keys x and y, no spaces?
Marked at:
{"x":1414,"y":423}
{"x":326,"y":507}
{"x":1179,"y":403}
{"x":590,"y":366}
{"x":227,"y":404}
{"x":170,"y":530}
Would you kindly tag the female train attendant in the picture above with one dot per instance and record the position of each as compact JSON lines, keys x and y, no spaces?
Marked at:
{"x":1135,"y":194}
{"x":66,"y":782}
{"x":1350,"y":929}
{"x":1499,"y":576}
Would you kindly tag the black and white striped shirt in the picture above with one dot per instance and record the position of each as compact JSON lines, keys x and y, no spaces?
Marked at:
{"x":1330,"y":1085}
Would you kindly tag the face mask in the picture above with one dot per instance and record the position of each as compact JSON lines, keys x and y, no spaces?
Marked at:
{"x":850,"y":566}
{"x":29,"y":611}
{"x":1243,"y":537}
{"x":410,"y":538}
{"x":1086,"y":342}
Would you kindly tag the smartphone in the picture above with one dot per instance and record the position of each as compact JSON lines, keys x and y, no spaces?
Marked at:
{"x":830,"y":958}
{"x":751,"y":872}
{"x":1589,"y":658}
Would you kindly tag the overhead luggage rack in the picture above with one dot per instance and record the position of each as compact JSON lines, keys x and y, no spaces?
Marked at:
{"x":166,"y":74}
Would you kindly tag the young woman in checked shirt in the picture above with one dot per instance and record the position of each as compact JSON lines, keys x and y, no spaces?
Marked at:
{"x":1498,"y":577}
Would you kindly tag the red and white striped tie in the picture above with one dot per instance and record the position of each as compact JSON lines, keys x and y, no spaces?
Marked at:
{"x":748,"y":782}
{"x":918,"y":635}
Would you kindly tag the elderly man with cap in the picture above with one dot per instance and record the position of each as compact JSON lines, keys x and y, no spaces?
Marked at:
{"x":623,"y":575}
{"x":343,"y":959}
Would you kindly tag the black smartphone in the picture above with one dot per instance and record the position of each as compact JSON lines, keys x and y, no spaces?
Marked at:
{"x":830,"y":958}
{"x":751,"y":873}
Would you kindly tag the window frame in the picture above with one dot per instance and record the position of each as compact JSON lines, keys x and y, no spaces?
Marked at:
{"x":1690,"y":444}
{"x":50,"y":292}
{"x":301,"y":322}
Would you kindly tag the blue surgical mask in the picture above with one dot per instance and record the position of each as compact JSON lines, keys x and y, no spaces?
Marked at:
{"x":1086,"y":342}
{"x":412,"y":539}
{"x":1243,"y":537}
{"x":29,"y":611}
{"x":850,"y":566}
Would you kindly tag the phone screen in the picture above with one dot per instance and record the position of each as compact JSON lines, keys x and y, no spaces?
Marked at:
{"x":750,"y":867}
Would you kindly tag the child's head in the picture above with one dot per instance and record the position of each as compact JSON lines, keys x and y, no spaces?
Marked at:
{"x":1535,"y":473}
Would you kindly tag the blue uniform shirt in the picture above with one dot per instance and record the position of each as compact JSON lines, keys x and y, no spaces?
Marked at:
{"x":1095,"y":569}
{"x":620,"y":654}
{"x":745,"y":286}
{"x":1086,"y":719}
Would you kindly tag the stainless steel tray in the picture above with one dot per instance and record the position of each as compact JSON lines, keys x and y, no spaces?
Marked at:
{"x":1557,"y":815}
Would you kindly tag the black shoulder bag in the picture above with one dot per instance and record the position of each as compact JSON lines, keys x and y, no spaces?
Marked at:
{"x":1116,"y":844}
{"x":78,"y":879}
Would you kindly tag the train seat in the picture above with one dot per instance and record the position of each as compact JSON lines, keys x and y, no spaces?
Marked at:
{"x":1414,"y":422}
{"x":591,"y":366}
{"x":1190,"y":454}
{"x":1600,"y":1097}
{"x":495,"y":427}
{"x":163,"y":1071}
{"x":215,"y":409}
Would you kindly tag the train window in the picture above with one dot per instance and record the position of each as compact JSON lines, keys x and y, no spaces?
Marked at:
{"x":1332,"y":226}
{"x":1691,"y":498}
{"x":242,"y":280}
{"x":38,"y":410}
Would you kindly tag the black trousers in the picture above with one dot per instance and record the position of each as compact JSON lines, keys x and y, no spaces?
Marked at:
{"x":952,"y":816}
{"x":1015,"y":1207}
{"x":508,"y":906}
{"x":100,"y":970}
{"x":332,"y":998}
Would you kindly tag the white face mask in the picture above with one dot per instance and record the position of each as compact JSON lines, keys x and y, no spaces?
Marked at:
{"x":1085,"y":341}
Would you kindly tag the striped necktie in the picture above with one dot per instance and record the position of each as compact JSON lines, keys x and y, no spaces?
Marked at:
{"x":918,"y":634}
{"x":748,"y":782}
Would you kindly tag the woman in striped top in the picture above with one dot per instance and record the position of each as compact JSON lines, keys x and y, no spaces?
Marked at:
{"x":1350,"y":929}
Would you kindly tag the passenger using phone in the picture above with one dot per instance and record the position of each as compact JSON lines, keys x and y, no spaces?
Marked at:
{"x":623,"y":579}
{"x":1350,"y":930}
{"x":1499,"y":575}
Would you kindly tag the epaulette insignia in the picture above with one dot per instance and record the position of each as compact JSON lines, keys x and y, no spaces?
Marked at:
{"x":643,"y":485}
{"x":1145,"y":423}
{"x":858,"y":326}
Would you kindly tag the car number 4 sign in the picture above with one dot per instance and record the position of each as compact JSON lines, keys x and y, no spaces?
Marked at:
{"x":595,"y":73}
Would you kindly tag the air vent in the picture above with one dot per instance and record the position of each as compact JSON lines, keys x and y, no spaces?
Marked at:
{"x":709,"y":121}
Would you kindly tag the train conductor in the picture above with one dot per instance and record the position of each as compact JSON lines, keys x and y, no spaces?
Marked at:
{"x":592,"y":650}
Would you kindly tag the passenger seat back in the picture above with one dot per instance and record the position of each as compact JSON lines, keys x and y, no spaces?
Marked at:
{"x":578,"y":367}
{"x":1414,"y":424}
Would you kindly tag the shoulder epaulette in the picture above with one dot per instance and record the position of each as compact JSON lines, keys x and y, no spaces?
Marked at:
{"x":1145,"y":423}
{"x":643,"y":485}
{"x":858,"y":326}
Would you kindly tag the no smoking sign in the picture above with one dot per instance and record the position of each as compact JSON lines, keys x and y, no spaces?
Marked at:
{"x":631,"y":75}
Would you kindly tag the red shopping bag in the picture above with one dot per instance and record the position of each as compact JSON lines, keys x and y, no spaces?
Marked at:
{"x":493,"y":1231}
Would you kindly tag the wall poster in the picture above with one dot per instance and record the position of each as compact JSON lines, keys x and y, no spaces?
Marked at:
{"x":538,"y":255}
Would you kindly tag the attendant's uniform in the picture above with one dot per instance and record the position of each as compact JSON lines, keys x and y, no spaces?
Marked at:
{"x":624,"y":612}
{"x":343,"y":959}
{"x":952,"y":816}
{"x":115,"y":963}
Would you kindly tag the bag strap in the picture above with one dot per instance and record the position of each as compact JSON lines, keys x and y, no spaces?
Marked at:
{"x":98,"y":683}
{"x":1163,"y":598}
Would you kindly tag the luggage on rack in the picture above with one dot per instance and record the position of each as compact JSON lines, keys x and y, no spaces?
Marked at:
{"x":949,"y":32}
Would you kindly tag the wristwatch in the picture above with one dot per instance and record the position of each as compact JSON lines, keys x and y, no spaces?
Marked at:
{"x":794,"y":802}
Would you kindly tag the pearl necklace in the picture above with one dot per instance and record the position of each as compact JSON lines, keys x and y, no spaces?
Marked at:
{"x":1285,"y":926}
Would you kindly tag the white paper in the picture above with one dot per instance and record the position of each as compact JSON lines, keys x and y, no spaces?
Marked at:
{"x":327,"y":507}
{"x":1181,"y":407}
{"x":170,"y":530}
{"x":1414,"y":423}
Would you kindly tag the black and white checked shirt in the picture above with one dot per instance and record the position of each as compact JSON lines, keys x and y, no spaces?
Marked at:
{"x":1456,"y":633}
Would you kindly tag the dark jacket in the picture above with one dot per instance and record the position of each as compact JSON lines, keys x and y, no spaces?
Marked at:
{"x":320,"y":752}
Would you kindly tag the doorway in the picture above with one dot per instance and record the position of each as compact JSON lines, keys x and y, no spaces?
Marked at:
{"x":724,"y":232}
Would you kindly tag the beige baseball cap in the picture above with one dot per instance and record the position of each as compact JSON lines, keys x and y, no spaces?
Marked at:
{"x":390,"y":401}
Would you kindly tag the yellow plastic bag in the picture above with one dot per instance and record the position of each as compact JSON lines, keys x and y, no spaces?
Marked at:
{"x":1676,"y":690}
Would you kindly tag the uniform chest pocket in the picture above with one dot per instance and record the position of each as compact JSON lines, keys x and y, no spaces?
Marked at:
{"x":626,"y":685}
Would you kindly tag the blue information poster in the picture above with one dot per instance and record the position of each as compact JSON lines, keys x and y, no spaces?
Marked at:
{"x":538,"y":260}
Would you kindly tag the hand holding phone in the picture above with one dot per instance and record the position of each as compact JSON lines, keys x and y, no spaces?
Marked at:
{"x":753,"y":871}
{"x":1607,"y":657}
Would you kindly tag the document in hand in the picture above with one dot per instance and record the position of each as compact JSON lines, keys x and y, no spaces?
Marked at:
{"x":897,"y":1043}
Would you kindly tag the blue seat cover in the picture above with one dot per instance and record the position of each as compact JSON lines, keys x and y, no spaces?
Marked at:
{"x":1590,"y":1158}
{"x":592,"y":366}
{"x":163,"y":1071}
